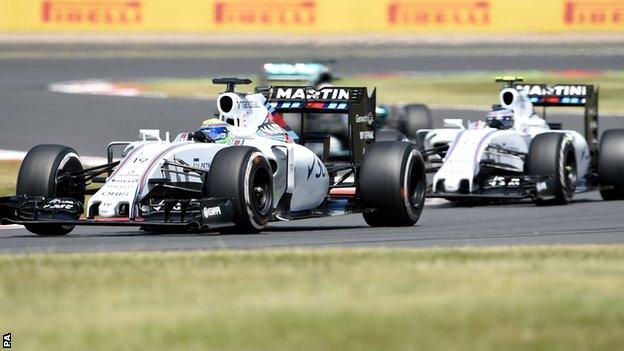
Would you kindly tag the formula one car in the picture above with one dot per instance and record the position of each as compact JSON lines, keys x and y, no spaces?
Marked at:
{"x":393,"y":122}
{"x":243,"y":169}
{"x":516,"y":154}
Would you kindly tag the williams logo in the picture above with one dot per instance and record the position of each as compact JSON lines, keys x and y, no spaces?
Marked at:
{"x":265,"y":12}
{"x":321,"y":169}
{"x":91,"y":12}
{"x":436,"y":14}
{"x":6,"y":341}
{"x":594,"y":13}
{"x":311,"y":94}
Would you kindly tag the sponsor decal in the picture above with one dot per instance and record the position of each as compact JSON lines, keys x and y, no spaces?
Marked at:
{"x":247,"y":104}
{"x":58,"y":204}
{"x":368,"y":119}
{"x":91,"y":12}
{"x":444,"y":13}
{"x":311,"y":94}
{"x":368,"y":135}
{"x":211,"y":211}
{"x":265,"y":12}
{"x":498,"y":181}
{"x":202,"y":165}
{"x":593,"y":13}
{"x":321,"y":169}
{"x":557,"y":90}
{"x":115,"y":193}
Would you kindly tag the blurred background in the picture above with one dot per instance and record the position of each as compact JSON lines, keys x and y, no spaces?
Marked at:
{"x":84,"y":72}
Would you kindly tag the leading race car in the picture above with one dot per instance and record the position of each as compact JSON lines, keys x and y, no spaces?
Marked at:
{"x":242,"y":170}
{"x":516,"y":154}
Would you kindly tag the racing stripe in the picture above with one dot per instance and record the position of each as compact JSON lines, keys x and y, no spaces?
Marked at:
{"x":477,"y":154}
{"x":457,"y":137}
{"x":135,"y":207}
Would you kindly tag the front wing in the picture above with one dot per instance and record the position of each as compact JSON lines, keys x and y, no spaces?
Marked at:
{"x":510,"y":187}
{"x":181,"y":213}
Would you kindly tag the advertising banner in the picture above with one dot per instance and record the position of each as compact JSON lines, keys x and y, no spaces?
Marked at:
{"x":313,"y":16}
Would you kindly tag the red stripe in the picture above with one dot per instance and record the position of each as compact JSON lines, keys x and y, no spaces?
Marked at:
{"x":316,"y":104}
{"x":112,"y":219}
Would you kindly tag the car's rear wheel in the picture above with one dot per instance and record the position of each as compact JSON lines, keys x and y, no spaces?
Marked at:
{"x":392,"y":184}
{"x":38,"y":177}
{"x":611,"y":165}
{"x":243,"y":174}
{"x":552,"y":155}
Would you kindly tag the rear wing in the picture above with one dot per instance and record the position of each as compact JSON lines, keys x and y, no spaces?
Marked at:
{"x":568,"y":95}
{"x":352,"y":101}
{"x":560,"y":94}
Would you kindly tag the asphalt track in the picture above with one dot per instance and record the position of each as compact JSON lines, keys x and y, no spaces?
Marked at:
{"x":31,"y":115}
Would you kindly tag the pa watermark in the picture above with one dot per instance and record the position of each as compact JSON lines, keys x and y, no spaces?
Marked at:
{"x":6,"y":341}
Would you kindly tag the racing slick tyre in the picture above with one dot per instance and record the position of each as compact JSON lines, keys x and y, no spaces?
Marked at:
{"x":392,"y":184}
{"x":414,"y":118}
{"x":552,"y":154}
{"x":611,"y":165}
{"x":37,"y":177}
{"x":389,"y":135}
{"x":243,"y":174}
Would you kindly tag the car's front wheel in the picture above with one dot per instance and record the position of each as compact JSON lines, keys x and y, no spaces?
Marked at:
{"x":243,"y":174}
{"x":38,"y":177}
{"x":552,"y":155}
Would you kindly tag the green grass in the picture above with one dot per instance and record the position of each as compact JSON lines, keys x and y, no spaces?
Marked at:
{"x":523,"y":298}
{"x":473,"y":89}
{"x":8,"y":177}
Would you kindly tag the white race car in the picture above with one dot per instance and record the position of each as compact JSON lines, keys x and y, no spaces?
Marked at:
{"x":516,"y":154}
{"x":241,"y":170}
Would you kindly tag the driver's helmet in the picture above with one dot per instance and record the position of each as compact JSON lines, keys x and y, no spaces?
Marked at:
{"x":216,"y":130}
{"x":500,"y":118}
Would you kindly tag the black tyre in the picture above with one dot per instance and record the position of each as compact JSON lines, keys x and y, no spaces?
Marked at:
{"x":244,"y":174}
{"x":414,"y":118}
{"x":389,"y":135}
{"x":611,"y":165}
{"x":552,"y":154}
{"x":37,"y":177}
{"x":392,"y":184}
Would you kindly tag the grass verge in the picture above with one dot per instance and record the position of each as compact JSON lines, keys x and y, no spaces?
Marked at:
{"x":522,"y":298}
{"x":472,"y":89}
{"x":8,"y":177}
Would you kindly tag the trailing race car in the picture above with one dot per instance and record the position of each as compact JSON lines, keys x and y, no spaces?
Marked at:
{"x":393,"y":122}
{"x":244,"y":169}
{"x":516,"y":154}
